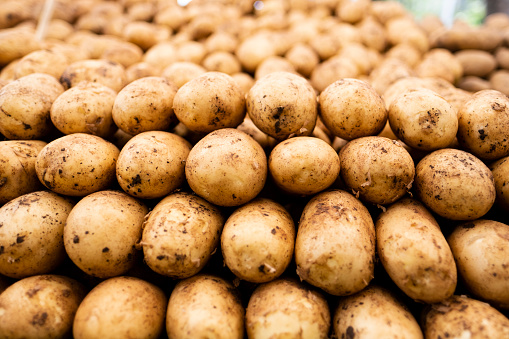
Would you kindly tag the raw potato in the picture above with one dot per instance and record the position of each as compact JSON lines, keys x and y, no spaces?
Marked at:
{"x":17,"y":168}
{"x":335,"y":245}
{"x":423,"y":120}
{"x":42,"y":61}
{"x":476,"y":62}
{"x":101,"y":233}
{"x":221,"y":61}
{"x":152,"y":164}
{"x":31,"y":231}
{"x":26,"y":105}
{"x":332,"y":70}
{"x":374,"y":312}
{"x":257,"y":241}
{"x":285,"y":308}
{"x":455,"y":184}
{"x":378,"y":169}
{"x":488,"y":278}
{"x":180,"y":235}
{"x":351,"y":109}
{"x":266,"y":141}
{"x":209,"y":102}
{"x":121,"y":307}
{"x":303,"y":58}
{"x":204,"y":306}
{"x":500,"y":171}
{"x":77,"y":164}
{"x":463,"y":317}
{"x":85,"y":108}
{"x":145,"y":105}
{"x":282,"y":105}
{"x":179,"y":73}
{"x":15,"y":43}
{"x":414,"y":252}
{"x":104,"y":72}
{"x":41,"y":306}
{"x":304,"y":165}
{"x":483,"y":123}
{"x":227,"y":167}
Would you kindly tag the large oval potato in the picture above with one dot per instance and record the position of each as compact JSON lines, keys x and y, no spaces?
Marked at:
{"x":104,"y":72}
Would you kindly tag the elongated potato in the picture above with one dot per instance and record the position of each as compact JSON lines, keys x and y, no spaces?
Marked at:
{"x":414,"y":252}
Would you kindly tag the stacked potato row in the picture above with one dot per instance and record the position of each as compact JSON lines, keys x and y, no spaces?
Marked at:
{"x":278,"y":168}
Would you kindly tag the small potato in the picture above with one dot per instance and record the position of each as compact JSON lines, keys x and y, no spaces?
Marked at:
{"x":351,"y":109}
{"x":455,"y":184}
{"x":473,"y":83}
{"x":152,"y":164}
{"x":121,"y":307}
{"x":374,"y":312}
{"x":388,"y":72}
{"x":227,"y":167}
{"x":423,"y":120}
{"x":179,"y":73}
{"x":273,"y":64}
{"x":26,"y":105}
{"x":406,"y":53}
{"x":266,"y":141}
{"x":244,"y":80}
{"x":161,"y":55}
{"x":499,"y":81}
{"x":258,"y":240}
{"x":488,"y":278}
{"x":15,"y":43}
{"x":476,"y":62}
{"x":144,"y":105}
{"x":502,"y":57}
{"x":204,"y":306}
{"x":304,"y":165}
{"x":373,"y":34}
{"x":378,"y":169}
{"x":500,"y":171}
{"x":285,"y":308}
{"x":140,"y":70}
{"x":209,"y":102}
{"x":221,"y":41}
{"x":145,"y":34}
{"x":415,"y":253}
{"x":463,"y":317}
{"x":282,"y":104}
{"x":192,"y":51}
{"x":17,"y":168}
{"x":221,"y":61}
{"x":332,"y":70}
{"x":253,"y":50}
{"x":124,"y":53}
{"x":77,"y":164}
{"x":31,"y":234}
{"x":303,"y":58}
{"x":180,"y":234}
{"x":41,"y":61}
{"x":41,"y":306}
{"x":440,"y":63}
{"x":101,"y":233}
{"x":105,"y":72}
{"x":335,"y":245}
{"x":85,"y":108}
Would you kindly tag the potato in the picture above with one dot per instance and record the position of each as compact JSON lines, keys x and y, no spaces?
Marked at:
{"x":77,"y":164}
{"x":140,"y":70}
{"x":374,"y":312}
{"x":179,"y":73}
{"x":192,"y":51}
{"x":460,"y":316}
{"x":204,"y":306}
{"x":303,"y":165}
{"x":351,"y":109}
{"x":285,"y":308}
{"x":244,"y":80}
{"x":335,"y":245}
{"x":455,"y":184}
{"x":209,"y":102}
{"x":502,"y":57}
{"x":476,"y":62}
{"x":282,"y":104}
{"x":221,"y":41}
{"x":248,"y":127}
{"x":172,"y":16}
{"x":257,"y":241}
{"x":101,"y":233}
{"x":482,"y":125}
{"x":145,"y":34}
{"x":227,"y":167}
{"x":16,"y":43}
{"x":104,"y":72}
{"x":180,"y":234}
{"x":406,"y":53}
{"x":253,"y":50}
{"x":440,"y":63}
{"x":488,"y":278}
{"x":473,"y":83}
{"x":41,"y":306}
{"x":378,"y":169}
{"x":121,"y":307}
{"x":161,"y":55}
{"x":423,"y":120}
{"x":303,"y":58}
{"x":220,"y":61}
{"x":499,"y":81}
{"x":26,"y":105}
{"x":500,"y":171}
{"x":124,"y":53}
{"x":152,"y":164}
{"x":388,"y":72}
{"x":332,"y":70}
{"x":145,"y":105}
{"x":31,"y":234}
{"x":273,"y":64}
{"x":17,"y":168}
{"x":41,"y":61}
{"x":415,"y":253}
{"x":85,"y":108}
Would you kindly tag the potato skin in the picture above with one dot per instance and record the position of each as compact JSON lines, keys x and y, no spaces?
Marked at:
{"x":105,"y":72}
{"x":285,"y":308}
{"x":258,"y":241}
{"x":101,"y":233}
{"x":374,"y":312}
{"x":31,"y":234}
{"x":335,"y":245}
{"x":121,"y":307}
{"x":455,"y":184}
{"x":77,"y":164}
{"x":488,"y":278}
{"x":41,"y":306}
{"x":500,"y":171}
{"x":180,"y":234}
{"x":476,"y":62}
{"x":204,"y":306}
{"x":415,"y":253}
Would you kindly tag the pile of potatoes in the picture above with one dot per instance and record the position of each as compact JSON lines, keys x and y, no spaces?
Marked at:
{"x":259,"y":169}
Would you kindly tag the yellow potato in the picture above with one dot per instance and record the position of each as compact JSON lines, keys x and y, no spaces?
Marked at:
{"x":500,"y":171}
{"x":105,"y":72}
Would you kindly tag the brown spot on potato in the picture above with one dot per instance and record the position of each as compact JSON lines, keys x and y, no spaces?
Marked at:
{"x":33,"y":291}
{"x":20,"y":239}
{"x":76,"y":239}
{"x":106,"y":249}
{"x":350,"y":334}
{"x":39,"y":319}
